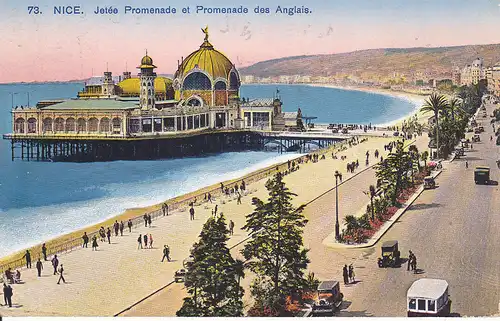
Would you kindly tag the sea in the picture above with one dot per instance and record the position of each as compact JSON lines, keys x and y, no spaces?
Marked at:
{"x":41,"y":200}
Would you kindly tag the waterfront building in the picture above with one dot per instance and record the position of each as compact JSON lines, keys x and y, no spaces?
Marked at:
{"x":203,"y":95}
{"x":493,"y":79}
{"x":472,"y":74}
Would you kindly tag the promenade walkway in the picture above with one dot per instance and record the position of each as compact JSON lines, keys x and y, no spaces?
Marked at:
{"x":105,"y":282}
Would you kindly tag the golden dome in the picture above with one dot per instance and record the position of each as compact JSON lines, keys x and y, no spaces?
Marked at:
{"x":146,"y":62}
{"x":212,"y":61}
{"x":132,"y":86}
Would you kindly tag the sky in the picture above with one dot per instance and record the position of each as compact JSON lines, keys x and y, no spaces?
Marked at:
{"x":48,"y":47}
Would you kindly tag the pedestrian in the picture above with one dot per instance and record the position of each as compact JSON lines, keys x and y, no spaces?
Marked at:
{"x":145,"y":217}
{"x":129,"y":224}
{"x":145,"y":240}
{"x":166,"y":253}
{"x":231,"y":227}
{"x":150,"y":241}
{"x":61,"y":276}
{"x":108,"y":234}
{"x":7,"y":294}
{"x":345,"y":274}
{"x":94,"y":243}
{"x":414,"y":264}
{"x":27,"y":255}
{"x":210,"y":197}
{"x":55,"y":263}
{"x":44,"y":252}
{"x":191,"y":213}
{"x":122,"y":227}
{"x":39,"y":267}
{"x":215,"y":212}
{"x":410,"y":258}
{"x":149,"y":220}
{"x":139,"y":242}
{"x":239,"y":199}
{"x":466,"y":164}
{"x":116,"y":227}
{"x":85,"y":239}
{"x":352,"y":275}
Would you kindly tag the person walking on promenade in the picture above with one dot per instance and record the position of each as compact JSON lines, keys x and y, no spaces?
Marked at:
{"x":145,"y":241}
{"x":231,"y":227}
{"x":116,"y":227}
{"x":85,"y":239}
{"x":215,"y":211}
{"x":351,"y":274}
{"x":108,"y":234}
{"x":150,"y":241}
{"x":55,"y":263}
{"x":239,"y":199}
{"x":7,"y":294}
{"x":414,"y":264}
{"x":129,"y":224}
{"x":44,"y":252}
{"x":191,"y":213}
{"x":210,"y":197}
{"x":345,"y":274}
{"x":139,"y":242}
{"x":61,"y":276}
{"x":166,"y":253}
{"x":39,"y":267}
{"x":27,"y":255}
{"x":466,"y":164}
{"x":145,"y":217}
{"x":149,"y":220}
{"x":102,"y":234}
{"x":94,"y":243}
{"x":410,"y":258}
{"x":122,"y":227}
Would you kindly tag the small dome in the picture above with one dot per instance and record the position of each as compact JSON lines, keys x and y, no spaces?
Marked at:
{"x":146,"y":62}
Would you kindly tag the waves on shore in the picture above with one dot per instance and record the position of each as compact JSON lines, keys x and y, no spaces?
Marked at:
{"x":23,"y":227}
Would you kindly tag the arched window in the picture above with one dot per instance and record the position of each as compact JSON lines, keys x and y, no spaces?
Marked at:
{"x":59,"y":124}
{"x":149,"y":101}
{"x":81,"y":125}
{"x":194,"y":101}
{"x":70,"y":124}
{"x":31,"y":125}
{"x":233,"y":80}
{"x":47,"y":124}
{"x":149,"y":91}
{"x":104,"y":125}
{"x":93,"y":125}
{"x":220,"y":85}
{"x":197,"y":81}
{"x":19,"y":126}
{"x":117,"y":125}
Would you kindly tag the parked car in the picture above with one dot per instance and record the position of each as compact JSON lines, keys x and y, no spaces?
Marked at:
{"x":328,"y":299}
{"x":482,"y":175}
{"x":476,"y":138}
{"x":429,"y":182}
{"x":428,"y":298}
{"x":390,"y":255}
{"x":335,"y":130}
{"x":395,"y":134}
{"x":344,"y":131}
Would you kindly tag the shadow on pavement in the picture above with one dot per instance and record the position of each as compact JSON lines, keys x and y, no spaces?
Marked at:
{"x":494,"y":183}
{"x":454,"y":315}
{"x":423,"y":206}
{"x":419,"y":271}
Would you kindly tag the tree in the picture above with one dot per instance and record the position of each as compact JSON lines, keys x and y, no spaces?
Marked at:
{"x":211,"y":280}
{"x":435,"y":103}
{"x":372,"y":192}
{"x":454,"y":106}
{"x":275,"y":251}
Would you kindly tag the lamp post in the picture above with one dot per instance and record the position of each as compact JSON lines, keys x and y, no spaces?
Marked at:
{"x":337,"y":226}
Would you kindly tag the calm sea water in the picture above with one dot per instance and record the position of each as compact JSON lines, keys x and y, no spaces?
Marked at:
{"x":42,"y":200}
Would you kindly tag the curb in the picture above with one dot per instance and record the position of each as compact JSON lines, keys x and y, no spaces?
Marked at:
{"x":144,"y":298}
{"x":332,"y":243}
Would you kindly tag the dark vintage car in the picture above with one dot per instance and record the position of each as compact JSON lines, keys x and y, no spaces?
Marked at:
{"x":390,"y":255}
{"x":482,"y":175}
{"x":429,"y":182}
{"x":328,"y":299}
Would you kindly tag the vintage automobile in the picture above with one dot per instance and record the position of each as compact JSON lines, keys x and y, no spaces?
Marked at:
{"x":429,"y":182}
{"x":344,"y":131}
{"x":428,"y":298}
{"x":188,"y":262}
{"x":390,"y":255}
{"x":395,"y":134}
{"x":459,"y":152}
{"x":476,"y":138}
{"x":481,"y":129}
{"x":180,"y":275}
{"x":482,"y":175}
{"x":477,"y":130}
{"x":328,"y":299}
{"x":335,"y":130}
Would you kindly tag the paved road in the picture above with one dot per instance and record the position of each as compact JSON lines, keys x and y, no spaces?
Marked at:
{"x":454,"y":231}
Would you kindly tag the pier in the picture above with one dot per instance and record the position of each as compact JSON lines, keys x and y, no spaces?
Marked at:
{"x":78,"y":148}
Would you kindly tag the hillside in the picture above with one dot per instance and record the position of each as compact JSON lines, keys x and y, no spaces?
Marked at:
{"x":376,"y":63}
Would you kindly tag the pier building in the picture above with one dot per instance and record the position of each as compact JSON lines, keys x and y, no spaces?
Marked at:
{"x":149,"y":116}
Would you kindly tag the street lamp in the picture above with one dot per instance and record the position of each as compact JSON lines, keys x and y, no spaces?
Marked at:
{"x":337,"y":226}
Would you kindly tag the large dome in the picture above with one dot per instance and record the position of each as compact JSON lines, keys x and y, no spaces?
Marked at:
{"x":132,"y":87}
{"x":212,"y":61}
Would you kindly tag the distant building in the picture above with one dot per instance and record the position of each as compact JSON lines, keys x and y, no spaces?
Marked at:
{"x":248,"y":79}
{"x":493,"y":79}
{"x":455,"y":76}
{"x":472,"y":74}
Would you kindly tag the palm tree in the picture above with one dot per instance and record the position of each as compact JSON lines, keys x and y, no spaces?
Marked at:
{"x":454,"y":106}
{"x":435,"y":103}
{"x":372,"y":192}
{"x":239,"y":269}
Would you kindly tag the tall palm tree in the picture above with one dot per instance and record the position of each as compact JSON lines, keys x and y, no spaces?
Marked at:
{"x":454,"y":106}
{"x":435,"y":103}
{"x":239,"y":269}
